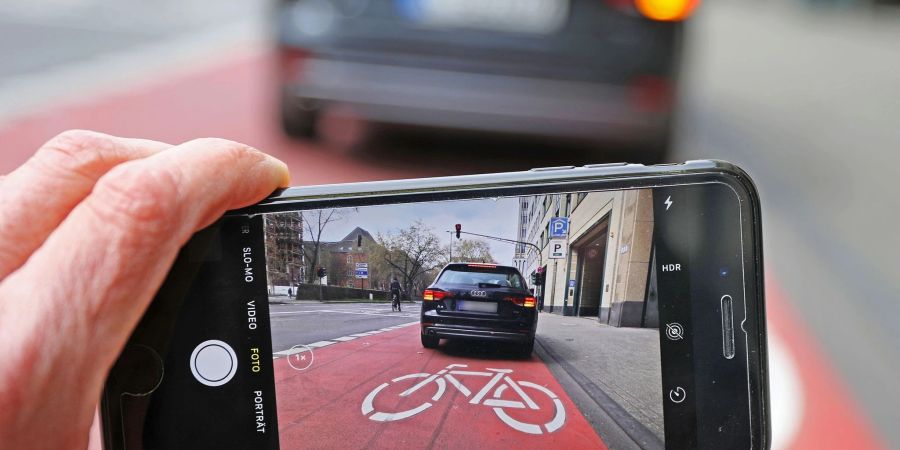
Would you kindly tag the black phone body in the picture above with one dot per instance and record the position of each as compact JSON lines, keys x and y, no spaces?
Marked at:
{"x":217,"y":363}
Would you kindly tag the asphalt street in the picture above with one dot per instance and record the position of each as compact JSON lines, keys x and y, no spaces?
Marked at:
{"x":309,"y":322}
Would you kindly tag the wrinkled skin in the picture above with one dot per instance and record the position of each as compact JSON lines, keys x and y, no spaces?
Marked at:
{"x":90,"y":225}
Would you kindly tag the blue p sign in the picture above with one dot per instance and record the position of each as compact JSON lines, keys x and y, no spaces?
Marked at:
{"x":559,"y":227}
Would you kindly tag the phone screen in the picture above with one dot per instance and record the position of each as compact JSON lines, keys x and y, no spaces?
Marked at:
{"x":584,"y":319}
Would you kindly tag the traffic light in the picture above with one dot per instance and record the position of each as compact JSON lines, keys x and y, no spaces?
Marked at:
{"x":458,"y":229}
{"x":537,"y":278}
{"x":320,"y":272}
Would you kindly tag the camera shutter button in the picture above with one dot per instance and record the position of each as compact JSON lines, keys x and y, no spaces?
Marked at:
{"x":213,"y":363}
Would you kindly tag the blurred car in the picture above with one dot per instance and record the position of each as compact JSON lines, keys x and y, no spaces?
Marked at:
{"x":596,"y":71}
{"x":479,"y":301}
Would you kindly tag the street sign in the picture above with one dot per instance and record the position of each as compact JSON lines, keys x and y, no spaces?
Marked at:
{"x":362,"y":270}
{"x":559,"y":248}
{"x":559,"y":227}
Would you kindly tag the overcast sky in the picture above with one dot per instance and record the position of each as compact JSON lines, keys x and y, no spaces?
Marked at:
{"x":494,"y":217}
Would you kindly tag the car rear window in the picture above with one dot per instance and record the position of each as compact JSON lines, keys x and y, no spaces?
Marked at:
{"x":476,"y":276}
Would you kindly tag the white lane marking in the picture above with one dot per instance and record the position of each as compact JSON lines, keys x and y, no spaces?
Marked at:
{"x":319,"y":344}
{"x":290,"y":351}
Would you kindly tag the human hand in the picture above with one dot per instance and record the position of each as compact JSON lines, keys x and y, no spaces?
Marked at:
{"x":90,"y":226}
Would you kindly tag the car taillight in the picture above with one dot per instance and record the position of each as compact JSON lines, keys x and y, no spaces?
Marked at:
{"x":666,"y":10}
{"x":434,"y":295}
{"x":651,"y":93}
{"x":489,"y":266}
{"x":527,"y":302}
{"x":292,"y":62}
{"x":621,"y":5}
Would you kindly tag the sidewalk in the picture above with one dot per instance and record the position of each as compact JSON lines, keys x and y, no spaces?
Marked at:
{"x":618,"y":368}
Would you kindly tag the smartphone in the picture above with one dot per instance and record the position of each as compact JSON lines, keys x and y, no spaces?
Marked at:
{"x":604,"y":306}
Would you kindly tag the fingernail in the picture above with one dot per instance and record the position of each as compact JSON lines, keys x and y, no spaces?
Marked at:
{"x":284,"y":172}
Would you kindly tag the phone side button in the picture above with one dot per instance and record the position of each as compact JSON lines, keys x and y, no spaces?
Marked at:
{"x":548,"y":169}
{"x":138,"y":371}
{"x":597,"y":166}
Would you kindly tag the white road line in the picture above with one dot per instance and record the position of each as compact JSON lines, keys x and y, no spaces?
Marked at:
{"x":325,"y":343}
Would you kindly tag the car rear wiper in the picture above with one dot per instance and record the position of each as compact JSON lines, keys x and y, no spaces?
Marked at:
{"x":489,"y":285}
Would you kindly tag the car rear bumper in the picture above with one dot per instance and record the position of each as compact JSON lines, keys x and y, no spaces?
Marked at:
{"x":453,"y":332}
{"x":482,"y":102}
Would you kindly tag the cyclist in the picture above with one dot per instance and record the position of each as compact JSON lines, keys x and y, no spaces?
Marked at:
{"x":395,"y":294}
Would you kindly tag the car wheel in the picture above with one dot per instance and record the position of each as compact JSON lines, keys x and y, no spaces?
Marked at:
{"x":430,"y":341}
{"x":297,"y":121}
{"x":527,"y":348}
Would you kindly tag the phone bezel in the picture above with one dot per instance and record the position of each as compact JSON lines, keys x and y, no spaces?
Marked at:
{"x":570,"y":179}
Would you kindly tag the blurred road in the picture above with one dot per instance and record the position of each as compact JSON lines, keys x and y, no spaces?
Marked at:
{"x":805,"y":101}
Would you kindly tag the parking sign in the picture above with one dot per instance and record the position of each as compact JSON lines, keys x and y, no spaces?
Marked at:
{"x":559,"y":227}
{"x":559,"y":248}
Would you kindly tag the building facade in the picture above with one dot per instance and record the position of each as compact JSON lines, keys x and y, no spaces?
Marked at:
{"x":285,"y":265}
{"x":605,"y":271}
{"x":345,"y":254}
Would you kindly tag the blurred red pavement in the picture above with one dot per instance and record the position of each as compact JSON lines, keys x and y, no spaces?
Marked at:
{"x":233,"y":99}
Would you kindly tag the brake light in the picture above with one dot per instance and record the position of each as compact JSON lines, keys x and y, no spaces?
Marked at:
{"x":434,"y":295}
{"x":527,"y":302}
{"x":491,"y":266}
{"x":292,"y":62}
{"x":666,"y":10}
{"x":651,"y":93}
{"x":621,"y":5}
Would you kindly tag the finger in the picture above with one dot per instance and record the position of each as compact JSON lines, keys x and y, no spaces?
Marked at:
{"x":94,"y":276}
{"x":37,"y":196}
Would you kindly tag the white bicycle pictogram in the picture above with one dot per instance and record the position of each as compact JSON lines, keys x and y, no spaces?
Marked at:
{"x":499,"y":383}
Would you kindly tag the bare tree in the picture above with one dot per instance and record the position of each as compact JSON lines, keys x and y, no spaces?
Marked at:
{"x":411,"y":253}
{"x":470,"y":250}
{"x":314,"y":223}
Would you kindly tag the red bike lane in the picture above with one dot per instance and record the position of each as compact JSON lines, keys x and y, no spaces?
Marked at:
{"x":351,"y":397}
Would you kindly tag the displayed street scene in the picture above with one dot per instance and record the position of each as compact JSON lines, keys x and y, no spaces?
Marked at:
{"x":527,"y":321}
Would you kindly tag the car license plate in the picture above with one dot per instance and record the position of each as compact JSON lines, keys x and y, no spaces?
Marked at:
{"x":521,"y":16}
{"x":485,"y":307}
